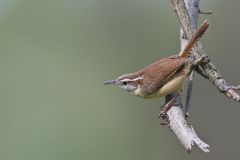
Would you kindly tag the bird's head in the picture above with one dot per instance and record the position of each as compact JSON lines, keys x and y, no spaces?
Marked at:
{"x":129,"y":82}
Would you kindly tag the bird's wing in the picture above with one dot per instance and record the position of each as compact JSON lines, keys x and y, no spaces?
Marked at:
{"x":160,"y":72}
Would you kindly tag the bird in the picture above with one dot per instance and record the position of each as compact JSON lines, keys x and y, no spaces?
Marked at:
{"x":163,"y":77}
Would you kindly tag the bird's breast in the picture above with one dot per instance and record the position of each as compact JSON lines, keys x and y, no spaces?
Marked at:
{"x":173,"y":85}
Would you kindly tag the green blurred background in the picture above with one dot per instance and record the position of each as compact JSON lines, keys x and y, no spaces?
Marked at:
{"x":55,"y":54}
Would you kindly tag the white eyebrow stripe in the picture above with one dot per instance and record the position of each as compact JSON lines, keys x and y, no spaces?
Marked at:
{"x":131,"y":80}
{"x":138,"y":78}
{"x":125,"y":80}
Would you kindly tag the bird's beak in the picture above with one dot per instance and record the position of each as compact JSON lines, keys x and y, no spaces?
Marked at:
{"x":111,"y":82}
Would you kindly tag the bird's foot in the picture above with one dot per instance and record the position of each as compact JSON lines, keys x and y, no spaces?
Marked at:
{"x":164,"y":109}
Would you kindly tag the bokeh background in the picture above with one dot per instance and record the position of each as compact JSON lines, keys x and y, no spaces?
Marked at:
{"x":55,"y":54}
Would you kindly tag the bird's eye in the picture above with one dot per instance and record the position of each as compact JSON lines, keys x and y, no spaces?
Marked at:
{"x":124,"y":83}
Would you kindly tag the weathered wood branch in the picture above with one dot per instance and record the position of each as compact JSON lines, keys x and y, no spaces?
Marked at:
{"x":178,"y":124}
{"x":175,"y":117}
{"x":187,"y":11}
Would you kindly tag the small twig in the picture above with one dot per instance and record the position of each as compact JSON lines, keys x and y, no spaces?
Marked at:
{"x":189,"y":93}
{"x":231,"y":93}
{"x":234,"y":87}
{"x":205,"y":12}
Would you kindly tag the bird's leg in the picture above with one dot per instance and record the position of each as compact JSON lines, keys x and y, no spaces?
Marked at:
{"x":166,"y":107}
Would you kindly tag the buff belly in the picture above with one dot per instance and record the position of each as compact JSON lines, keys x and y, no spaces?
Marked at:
{"x":174,"y":85}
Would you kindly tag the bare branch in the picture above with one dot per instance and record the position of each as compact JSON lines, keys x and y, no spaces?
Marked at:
{"x":207,"y":66}
{"x":185,"y":134}
{"x":188,"y":15}
{"x":175,"y":117}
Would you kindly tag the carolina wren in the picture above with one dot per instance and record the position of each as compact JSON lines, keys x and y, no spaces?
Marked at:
{"x":165,"y":76}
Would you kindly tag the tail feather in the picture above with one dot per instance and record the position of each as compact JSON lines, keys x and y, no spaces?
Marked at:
{"x":195,"y":38}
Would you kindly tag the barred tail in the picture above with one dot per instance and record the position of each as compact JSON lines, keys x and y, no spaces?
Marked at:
{"x":195,"y":38}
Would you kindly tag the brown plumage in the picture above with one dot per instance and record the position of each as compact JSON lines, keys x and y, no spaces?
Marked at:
{"x":158,"y":73}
